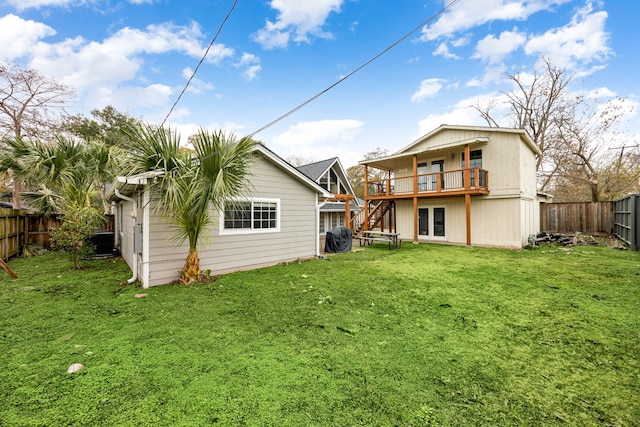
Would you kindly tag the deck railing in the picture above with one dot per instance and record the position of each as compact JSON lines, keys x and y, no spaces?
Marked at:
{"x":437,"y":183}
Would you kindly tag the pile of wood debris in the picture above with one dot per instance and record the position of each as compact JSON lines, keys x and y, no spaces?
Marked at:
{"x":577,"y":239}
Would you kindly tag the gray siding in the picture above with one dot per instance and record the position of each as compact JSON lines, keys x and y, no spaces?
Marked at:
{"x":222,"y":253}
{"x":125,"y":237}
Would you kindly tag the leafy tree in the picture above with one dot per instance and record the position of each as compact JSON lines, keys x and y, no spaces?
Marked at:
{"x":355,"y":173}
{"x":77,"y":226}
{"x":107,"y":125}
{"x":192,"y":183}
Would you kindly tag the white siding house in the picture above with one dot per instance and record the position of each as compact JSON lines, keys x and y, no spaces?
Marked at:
{"x":285,"y":199}
{"x":468,"y":185}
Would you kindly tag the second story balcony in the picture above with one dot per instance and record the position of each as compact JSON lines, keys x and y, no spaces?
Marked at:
{"x":438,"y":184}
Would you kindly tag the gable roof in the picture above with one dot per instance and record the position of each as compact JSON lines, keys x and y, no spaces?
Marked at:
{"x":524,"y":136}
{"x":317,"y":169}
{"x":384,"y":162}
{"x":127,"y":185}
{"x":290,"y":169}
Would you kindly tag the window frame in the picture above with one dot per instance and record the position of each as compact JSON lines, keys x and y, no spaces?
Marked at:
{"x":253,"y":201}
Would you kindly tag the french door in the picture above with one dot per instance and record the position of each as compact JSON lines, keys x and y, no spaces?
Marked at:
{"x":437,"y":166}
{"x":431,"y":222}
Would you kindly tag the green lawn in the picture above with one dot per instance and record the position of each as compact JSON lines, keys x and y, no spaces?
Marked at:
{"x":425,"y":335}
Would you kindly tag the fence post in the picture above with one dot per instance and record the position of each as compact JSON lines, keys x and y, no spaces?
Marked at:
{"x":635,"y":222}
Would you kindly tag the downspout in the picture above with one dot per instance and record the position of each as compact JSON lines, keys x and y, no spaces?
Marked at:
{"x":135,"y":255}
{"x":317,"y":226}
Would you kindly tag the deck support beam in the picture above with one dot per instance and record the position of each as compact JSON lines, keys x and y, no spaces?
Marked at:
{"x":415,"y":219}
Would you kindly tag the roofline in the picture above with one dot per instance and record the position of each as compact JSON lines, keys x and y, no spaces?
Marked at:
{"x":334,"y":160}
{"x":524,"y":136}
{"x":292,"y":170}
{"x":144,"y":178}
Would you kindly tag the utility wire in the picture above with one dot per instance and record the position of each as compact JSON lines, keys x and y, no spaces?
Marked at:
{"x":391,"y":46}
{"x":206,"y":52}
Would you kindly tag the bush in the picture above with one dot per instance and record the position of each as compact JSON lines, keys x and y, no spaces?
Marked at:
{"x":76,"y":226}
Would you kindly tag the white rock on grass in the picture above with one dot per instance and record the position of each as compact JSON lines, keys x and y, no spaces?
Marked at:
{"x":75,"y":368}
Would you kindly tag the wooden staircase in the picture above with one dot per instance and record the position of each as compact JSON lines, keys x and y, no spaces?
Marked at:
{"x":379,"y":217}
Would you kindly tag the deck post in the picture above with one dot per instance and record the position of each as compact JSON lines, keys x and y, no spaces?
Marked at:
{"x":467,"y":172}
{"x":365,"y":223}
{"x":467,"y":202}
{"x":415,"y":198}
{"x":415,"y":174}
{"x":347,"y":213}
{"x":415,"y":219}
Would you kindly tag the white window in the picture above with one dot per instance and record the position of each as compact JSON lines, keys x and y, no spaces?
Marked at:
{"x":260,"y":215}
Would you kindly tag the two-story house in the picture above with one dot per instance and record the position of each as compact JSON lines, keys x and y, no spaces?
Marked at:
{"x":466,"y":185}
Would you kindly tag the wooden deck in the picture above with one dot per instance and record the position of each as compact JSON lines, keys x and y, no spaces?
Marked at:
{"x":439,"y":184}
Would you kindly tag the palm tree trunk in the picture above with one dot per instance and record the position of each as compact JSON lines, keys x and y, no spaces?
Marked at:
{"x":191,"y":271}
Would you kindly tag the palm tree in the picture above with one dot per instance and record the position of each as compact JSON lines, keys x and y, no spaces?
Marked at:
{"x":64,"y":176}
{"x":61,"y":170}
{"x":192,"y":183}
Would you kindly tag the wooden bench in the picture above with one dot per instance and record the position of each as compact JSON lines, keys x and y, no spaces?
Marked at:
{"x":364,"y":240}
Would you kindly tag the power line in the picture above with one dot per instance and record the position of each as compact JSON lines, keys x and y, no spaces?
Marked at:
{"x":391,"y":46}
{"x":193,"y":74}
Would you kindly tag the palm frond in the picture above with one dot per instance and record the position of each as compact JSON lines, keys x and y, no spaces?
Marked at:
{"x":45,"y":200}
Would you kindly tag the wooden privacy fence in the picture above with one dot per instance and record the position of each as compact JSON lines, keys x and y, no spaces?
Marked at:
{"x":19,"y":228}
{"x":584,"y":217}
{"x":12,"y":226}
{"x":627,"y":220}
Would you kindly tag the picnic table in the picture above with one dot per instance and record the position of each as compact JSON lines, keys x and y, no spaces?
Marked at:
{"x":370,"y":236}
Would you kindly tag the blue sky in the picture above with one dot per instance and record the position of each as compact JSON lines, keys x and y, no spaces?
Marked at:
{"x":272,"y":55}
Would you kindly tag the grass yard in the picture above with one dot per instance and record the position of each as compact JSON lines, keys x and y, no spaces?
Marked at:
{"x":426,"y":335}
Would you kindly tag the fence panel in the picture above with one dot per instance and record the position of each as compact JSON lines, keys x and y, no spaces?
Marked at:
{"x":627,"y":220}
{"x":17,"y":228}
{"x":585,"y":217}
{"x":11,"y":232}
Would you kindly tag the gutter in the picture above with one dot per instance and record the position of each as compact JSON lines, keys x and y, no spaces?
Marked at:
{"x":135,"y":255}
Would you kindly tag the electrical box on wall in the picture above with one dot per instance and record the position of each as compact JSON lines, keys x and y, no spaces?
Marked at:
{"x":137,"y":239}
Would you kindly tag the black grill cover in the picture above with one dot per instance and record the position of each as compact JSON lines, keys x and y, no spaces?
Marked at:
{"x":338,"y":239}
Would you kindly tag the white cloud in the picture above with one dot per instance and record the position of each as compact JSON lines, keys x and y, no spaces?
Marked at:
{"x":196,"y":85}
{"x":19,"y":35}
{"x":492,"y":74}
{"x":120,"y":57}
{"x":128,"y":97}
{"x":470,"y":14}
{"x":601,"y":93}
{"x":459,"y":114}
{"x":251,"y":72}
{"x":111,"y":71}
{"x":443,"y":50}
{"x":320,"y":139}
{"x":296,"y":21}
{"x":36,"y":4}
{"x":428,"y":89}
{"x":251,"y":65}
{"x":582,"y":40}
{"x":493,"y":50}
{"x":248,"y":59}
